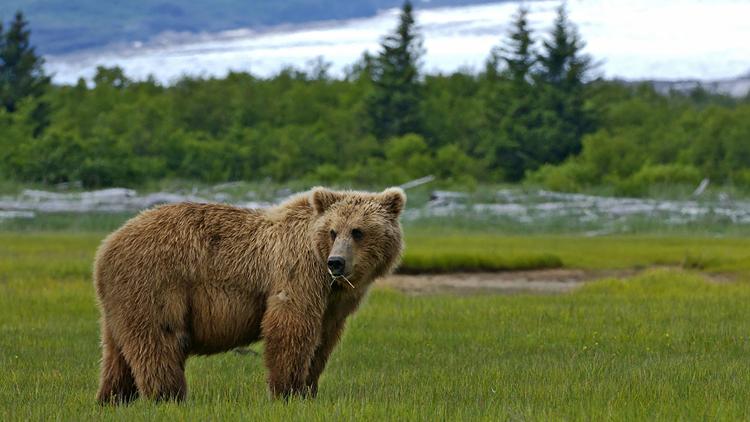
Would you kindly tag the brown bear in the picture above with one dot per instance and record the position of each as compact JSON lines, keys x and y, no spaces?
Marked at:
{"x":194,"y":278}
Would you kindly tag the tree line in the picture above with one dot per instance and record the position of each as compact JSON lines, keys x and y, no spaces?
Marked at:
{"x":535,"y":112}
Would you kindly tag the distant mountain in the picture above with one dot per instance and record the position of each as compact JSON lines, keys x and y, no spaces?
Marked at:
{"x":64,"y":26}
{"x":733,"y":87}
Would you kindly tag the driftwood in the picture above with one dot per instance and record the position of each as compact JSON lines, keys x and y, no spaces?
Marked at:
{"x":702,"y":187}
{"x":417,"y":182}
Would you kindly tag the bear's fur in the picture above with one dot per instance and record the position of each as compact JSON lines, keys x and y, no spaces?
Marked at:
{"x":205,"y":278}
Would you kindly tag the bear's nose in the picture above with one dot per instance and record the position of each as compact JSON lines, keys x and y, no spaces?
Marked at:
{"x":336,"y":264}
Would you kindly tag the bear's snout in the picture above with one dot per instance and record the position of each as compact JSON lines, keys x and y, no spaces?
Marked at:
{"x":336,"y":264}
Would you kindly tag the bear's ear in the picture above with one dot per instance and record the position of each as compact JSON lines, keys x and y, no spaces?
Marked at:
{"x":393,"y":200}
{"x":321,"y":199}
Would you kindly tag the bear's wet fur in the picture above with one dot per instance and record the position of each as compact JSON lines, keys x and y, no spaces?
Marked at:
{"x":190,"y":278}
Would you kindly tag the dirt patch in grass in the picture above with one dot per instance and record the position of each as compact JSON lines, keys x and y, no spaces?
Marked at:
{"x":550,"y":281}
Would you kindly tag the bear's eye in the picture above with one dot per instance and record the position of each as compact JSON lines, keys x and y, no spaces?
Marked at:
{"x":357,"y":234}
{"x":333,"y":234}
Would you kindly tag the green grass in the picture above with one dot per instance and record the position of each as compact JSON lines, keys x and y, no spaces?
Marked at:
{"x":453,"y":251}
{"x":69,"y":254}
{"x":439,"y":254}
{"x":70,"y":222}
{"x":667,"y":345}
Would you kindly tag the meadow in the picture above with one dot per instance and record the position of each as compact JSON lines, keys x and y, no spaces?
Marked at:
{"x":667,"y":344}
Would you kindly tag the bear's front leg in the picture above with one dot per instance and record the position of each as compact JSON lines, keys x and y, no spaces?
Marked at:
{"x":334,"y":321}
{"x":291,"y":329}
{"x":329,"y":337}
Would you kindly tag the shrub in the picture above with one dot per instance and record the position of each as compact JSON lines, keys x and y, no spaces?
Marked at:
{"x":571,"y":176}
{"x":659,"y":175}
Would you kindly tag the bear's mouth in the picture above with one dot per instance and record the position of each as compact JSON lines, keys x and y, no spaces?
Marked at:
{"x":337,"y":278}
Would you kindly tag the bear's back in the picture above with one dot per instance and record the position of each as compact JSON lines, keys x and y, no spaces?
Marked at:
{"x":179,"y":239}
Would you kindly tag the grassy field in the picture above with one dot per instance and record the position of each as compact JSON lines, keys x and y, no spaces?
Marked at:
{"x":427,"y":252}
{"x":666,"y":345}
{"x":450,"y":251}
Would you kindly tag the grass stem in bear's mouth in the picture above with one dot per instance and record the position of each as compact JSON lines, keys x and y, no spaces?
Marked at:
{"x":336,"y":277}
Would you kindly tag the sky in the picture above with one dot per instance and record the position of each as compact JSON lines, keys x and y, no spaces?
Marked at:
{"x":632,"y":40}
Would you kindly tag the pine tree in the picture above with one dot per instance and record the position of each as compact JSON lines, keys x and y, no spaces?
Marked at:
{"x":563,"y":70}
{"x":394,"y":105}
{"x":518,"y":53}
{"x":21,"y":71}
{"x":563,"y":64}
{"x":512,"y":100}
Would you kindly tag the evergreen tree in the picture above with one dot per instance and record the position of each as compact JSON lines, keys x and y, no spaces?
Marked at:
{"x":518,"y":53}
{"x":512,"y":102}
{"x":21,"y":71}
{"x":394,"y":105}
{"x":22,"y":75}
{"x":563,"y":70}
{"x":562,"y":62}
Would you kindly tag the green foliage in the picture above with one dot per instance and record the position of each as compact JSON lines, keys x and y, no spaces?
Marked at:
{"x":455,"y":167}
{"x":518,"y":54}
{"x":536,"y":100}
{"x":566,"y":177}
{"x":646,"y":140}
{"x":563,"y":70}
{"x":660,"y":174}
{"x":394,"y":103}
{"x":21,"y":71}
{"x":410,"y":156}
{"x":561,"y":63}
{"x":531,"y":114}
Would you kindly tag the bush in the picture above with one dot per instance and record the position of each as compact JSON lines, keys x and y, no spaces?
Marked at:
{"x":667,"y":174}
{"x":649,"y":176}
{"x":454,"y":167}
{"x":571,"y":176}
{"x":741,"y":178}
{"x":410,"y":155}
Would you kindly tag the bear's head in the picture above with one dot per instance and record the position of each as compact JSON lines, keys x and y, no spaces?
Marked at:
{"x":357,"y":234}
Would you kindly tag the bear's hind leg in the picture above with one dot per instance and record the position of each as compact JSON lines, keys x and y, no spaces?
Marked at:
{"x":116,"y":384}
{"x":158,"y":362}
